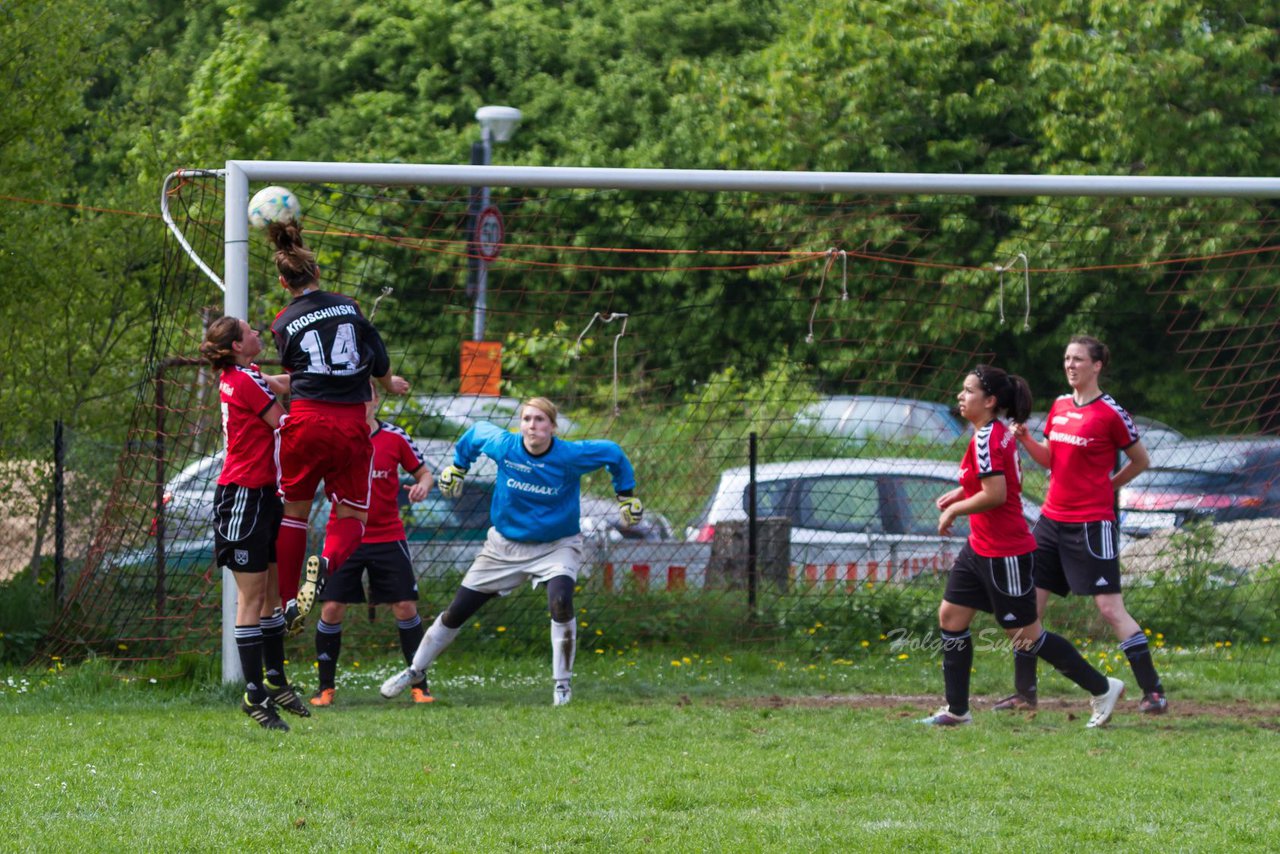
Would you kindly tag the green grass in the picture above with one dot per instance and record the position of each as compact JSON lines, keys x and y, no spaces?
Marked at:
{"x":659,"y":751}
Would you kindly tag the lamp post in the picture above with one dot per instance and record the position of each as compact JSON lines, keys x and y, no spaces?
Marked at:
{"x":497,"y":124}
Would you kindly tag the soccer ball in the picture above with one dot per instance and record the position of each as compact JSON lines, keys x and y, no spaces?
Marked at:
{"x":273,"y":204}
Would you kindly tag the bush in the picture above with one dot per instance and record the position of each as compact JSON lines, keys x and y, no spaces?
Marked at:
{"x":1201,"y":600}
{"x":26,"y":613}
{"x":838,"y":624}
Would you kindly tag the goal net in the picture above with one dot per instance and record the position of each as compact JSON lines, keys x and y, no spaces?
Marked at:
{"x":821,"y":332}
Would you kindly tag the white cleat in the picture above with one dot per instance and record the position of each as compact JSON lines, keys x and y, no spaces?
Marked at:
{"x":563,"y":694}
{"x":398,"y":684}
{"x":945,"y":717}
{"x":313,"y":578}
{"x":1104,"y":704}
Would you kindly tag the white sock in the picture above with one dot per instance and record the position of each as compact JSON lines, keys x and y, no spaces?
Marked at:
{"x":564,"y":643}
{"x":432,"y":644}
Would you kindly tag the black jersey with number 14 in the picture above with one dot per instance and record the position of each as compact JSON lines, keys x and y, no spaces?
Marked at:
{"x":329,"y":348}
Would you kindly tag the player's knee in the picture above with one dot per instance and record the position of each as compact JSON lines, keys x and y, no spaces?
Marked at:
{"x":1112,"y":609}
{"x":561,"y":607}
{"x":404,"y":610}
{"x":560,"y":602}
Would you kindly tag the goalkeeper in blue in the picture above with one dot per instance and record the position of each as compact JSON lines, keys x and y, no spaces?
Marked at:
{"x":535,"y":534}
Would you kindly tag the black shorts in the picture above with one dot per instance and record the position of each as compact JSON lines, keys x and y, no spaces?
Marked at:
{"x":1077,"y":557}
{"x":1001,"y":586}
{"x":390,"y":576}
{"x":246,"y":521}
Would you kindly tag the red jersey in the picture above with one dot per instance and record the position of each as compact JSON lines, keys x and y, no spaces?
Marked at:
{"x":1083,"y":444}
{"x":1001,"y":531}
{"x":250,"y":441}
{"x":393,"y":449}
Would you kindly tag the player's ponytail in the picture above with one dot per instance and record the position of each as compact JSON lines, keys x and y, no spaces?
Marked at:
{"x":216,"y":347}
{"x":1018,"y":406}
{"x":294,"y":261}
{"x":1012,"y":393}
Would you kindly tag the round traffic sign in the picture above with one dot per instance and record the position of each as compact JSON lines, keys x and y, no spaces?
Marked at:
{"x":489,"y":233}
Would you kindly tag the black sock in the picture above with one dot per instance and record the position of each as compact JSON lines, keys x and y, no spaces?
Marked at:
{"x":1024,"y":674}
{"x":957,"y":662}
{"x":249,"y":646}
{"x":411,"y":632}
{"x":1138,"y":651}
{"x":273,"y":649}
{"x":328,"y":648}
{"x":1068,"y":661}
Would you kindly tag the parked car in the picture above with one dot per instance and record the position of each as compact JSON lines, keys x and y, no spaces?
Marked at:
{"x":842,"y":501}
{"x":449,"y":415}
{"x":1219,"y":480}
{"x":898,"y":419}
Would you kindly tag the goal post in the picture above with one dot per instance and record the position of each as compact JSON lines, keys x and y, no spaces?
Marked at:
{"x":240,"y":173}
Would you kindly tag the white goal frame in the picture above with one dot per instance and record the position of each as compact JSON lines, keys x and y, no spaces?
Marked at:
{"x":239,"y":173}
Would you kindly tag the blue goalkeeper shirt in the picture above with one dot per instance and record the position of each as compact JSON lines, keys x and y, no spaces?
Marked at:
{"x":535,"y":499}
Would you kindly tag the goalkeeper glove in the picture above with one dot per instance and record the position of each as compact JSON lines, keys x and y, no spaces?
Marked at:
{"x":631,"y":510}
{"x":450,"y":481}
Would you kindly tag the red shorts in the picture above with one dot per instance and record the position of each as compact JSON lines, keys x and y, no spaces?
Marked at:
{"x":326,"y":442}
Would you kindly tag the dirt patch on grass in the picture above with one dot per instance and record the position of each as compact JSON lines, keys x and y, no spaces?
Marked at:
{"x":1266,"y":715}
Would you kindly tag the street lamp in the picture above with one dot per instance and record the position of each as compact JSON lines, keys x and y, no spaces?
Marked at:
{"x":497,"y":124}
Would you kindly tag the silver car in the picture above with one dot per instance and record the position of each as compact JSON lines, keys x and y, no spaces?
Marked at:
{"x":842,"y":501}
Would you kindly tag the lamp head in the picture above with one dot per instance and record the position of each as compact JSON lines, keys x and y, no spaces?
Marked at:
{"x":501,"y":122}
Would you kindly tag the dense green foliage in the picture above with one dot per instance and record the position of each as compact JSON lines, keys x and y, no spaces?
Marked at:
{"x":102,"y":100}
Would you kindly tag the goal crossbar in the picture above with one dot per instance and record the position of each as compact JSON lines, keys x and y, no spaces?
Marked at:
{"x":239,"y":173}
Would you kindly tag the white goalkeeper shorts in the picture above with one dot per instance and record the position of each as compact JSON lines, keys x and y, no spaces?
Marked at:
{"x":503,"y":565}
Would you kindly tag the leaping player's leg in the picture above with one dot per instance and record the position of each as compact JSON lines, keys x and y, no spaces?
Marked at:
{"x":291,"y":550}
{"x":348,"y":482}
{"x":252,"y":591}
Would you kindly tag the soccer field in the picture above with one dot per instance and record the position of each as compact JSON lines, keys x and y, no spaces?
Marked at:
{"x":738,"y":752}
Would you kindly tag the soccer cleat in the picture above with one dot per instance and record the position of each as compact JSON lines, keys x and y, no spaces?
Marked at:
{"x":294,"y":622}
{"x":1014,"y":703}
{"x":422,"y":694}
{"x":563,"y":694}
{"x":1104,"y":704}
{"x":313,"y":579}
{"x":263,"y":713}
{"x":944,"y":717}
{"x":396,"y":685}
{"x":323,"y":697}
{"x":1153,"y":703}
{"x":287,"y":699}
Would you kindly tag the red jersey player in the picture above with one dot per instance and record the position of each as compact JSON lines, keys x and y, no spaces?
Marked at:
{"x":383,"y":554}
{"x":246,"y":515}
{"x":330,"y":351}
{"x":1084,"y":435}
{"x":993,"y":571}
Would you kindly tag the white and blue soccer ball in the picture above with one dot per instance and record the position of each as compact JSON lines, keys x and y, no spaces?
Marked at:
{"x":273,"y":204}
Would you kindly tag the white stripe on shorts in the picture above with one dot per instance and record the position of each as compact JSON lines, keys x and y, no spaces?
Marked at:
{"x":1011,"y":572}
